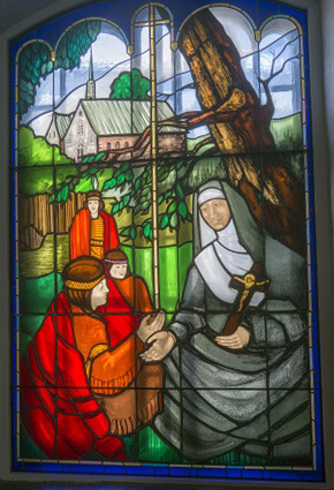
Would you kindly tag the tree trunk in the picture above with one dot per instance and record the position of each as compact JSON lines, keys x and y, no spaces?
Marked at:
{"x":36,"y":217}
{"x":273,"y":192}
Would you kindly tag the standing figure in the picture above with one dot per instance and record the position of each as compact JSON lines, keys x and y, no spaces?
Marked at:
{"x":70,"y":367}
{"x":245,"y":390}
{"x":93,"y":231}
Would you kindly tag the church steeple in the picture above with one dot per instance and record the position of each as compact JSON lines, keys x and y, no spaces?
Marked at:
{"x":90,"y":86}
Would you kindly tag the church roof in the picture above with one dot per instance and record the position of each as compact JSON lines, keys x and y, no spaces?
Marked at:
{"x":63,"y":122}
{"x":117,"y":117}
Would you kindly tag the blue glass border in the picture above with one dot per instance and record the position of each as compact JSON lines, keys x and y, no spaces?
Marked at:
{"x":214,"y":473}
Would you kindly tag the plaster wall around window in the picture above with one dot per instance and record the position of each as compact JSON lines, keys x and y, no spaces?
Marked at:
{"x":321,"y":35}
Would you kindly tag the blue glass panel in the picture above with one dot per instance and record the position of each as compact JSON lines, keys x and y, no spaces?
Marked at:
{"x":266,"y":9}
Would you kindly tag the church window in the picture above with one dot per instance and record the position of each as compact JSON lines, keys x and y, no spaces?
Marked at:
{"x":80,"y":128}
{"x":207,"y":221}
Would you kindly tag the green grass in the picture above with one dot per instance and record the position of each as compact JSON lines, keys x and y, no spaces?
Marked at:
{"x":288,"y":132}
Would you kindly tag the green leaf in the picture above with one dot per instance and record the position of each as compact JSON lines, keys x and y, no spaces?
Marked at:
{"x":160,"y":199}
{"x":65,"y":193}
{"x":109,"y":184}
{"x":174,"y":221}
{"x":179,"y":191}
{"x":138,"y":184}
{"x":125,"y":167}
{"x":164,"y":221}
{"x":172,"y":208}
{"x":147,"y":230}
{"x":126,"y":231}
{"x":129,"y":175}
{"x":138,"y":208}
{"x":163,"y":174}
{"x":52,"y":198}
{"x":183,"y":210}
{"x":146,"y":205}
{"x":92,"y":171}
{"x":120,"y":179}
{"x":115,"y":208}
{"x":179,"y":165}
{"x":133,"y":232}
{"x":126,"y":200}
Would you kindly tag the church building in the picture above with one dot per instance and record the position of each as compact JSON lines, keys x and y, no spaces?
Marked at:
{"x":107,"y":124}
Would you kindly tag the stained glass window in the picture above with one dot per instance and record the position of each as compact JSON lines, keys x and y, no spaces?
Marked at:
{"x":164,"y":279}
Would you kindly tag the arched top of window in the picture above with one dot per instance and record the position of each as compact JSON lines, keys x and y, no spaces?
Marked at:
{"x":280,"y":64}
{"x":279,"y":25}
{"x":140,"y":22}
{"x":161,"y":14}
{"x":237,"y":23}
{"x":105,"y":26}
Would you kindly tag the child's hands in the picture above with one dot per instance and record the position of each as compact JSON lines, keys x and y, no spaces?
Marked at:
{"x":150,"y":325}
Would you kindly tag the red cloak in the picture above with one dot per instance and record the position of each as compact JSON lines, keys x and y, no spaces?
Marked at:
{"x":80,"y":233}
{"x":57,"y":407}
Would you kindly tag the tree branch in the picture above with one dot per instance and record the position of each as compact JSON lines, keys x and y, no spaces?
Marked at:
{"x":275,"y":58}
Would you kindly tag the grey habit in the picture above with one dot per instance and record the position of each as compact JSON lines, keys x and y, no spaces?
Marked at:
{"x":254,"y":400}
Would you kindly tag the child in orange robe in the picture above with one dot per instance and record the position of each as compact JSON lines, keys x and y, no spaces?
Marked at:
{"x":128,"y":302}
{"x":128,"y":299}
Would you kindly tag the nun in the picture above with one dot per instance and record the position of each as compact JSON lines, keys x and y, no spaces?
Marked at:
{"x":243,"y":388}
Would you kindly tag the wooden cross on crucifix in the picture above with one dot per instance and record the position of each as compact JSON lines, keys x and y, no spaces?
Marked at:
{"x":247,"y":285}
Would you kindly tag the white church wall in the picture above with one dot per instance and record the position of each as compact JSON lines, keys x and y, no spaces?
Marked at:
{"x":80,"y":139}
{"x":52,"y":136}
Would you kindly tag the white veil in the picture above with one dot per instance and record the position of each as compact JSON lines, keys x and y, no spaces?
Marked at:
{"x":207,"y":234}
{"x":222,"y":255}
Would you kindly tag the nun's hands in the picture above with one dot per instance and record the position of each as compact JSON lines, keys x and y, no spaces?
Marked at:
{"x":238,"y":340}
{"x":150,"y":325}
{"x":161,"y":343}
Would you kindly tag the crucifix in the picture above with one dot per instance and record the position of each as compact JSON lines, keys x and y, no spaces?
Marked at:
{"x":247,"y":285}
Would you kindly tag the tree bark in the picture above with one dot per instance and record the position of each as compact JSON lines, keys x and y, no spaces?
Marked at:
{"x":36,"y":217}
{"x":273,"y":192}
